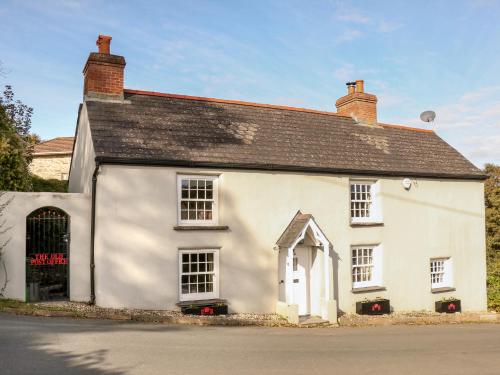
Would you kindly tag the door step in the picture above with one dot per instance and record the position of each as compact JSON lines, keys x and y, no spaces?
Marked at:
{"x":312,"y":321}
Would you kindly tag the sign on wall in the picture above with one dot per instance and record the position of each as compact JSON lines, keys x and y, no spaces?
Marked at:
{"x":43,"y":259}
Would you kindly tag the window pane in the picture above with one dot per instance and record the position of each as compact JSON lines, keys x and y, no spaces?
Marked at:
{"x":192,"y":215}
{"x":185,"y":267}
{"x":185,"y":289}
{"x":194,"y":257}
{"x":192,"y":194}
{"x":193,"y":288}
{"x":210,"y":257}
{"x":209,"y":185}
{"x":184,"y":194}
{"x":201,"y":288}
{"x":201,"y":184}
{"x":184,"y":279}
{"x":185,"y":184}
{"x":192,"y":184}
{"x":185,"y":258}
{"x":201,"y":257}
{"x":209,"y":194}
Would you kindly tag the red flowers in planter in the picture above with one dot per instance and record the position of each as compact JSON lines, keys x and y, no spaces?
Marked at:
{"x":376,"y":307}
{"x":207,"y":311}
{"x":451,"y":307}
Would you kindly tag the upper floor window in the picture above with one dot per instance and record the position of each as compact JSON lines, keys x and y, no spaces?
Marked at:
{"x":364,"y":202}
{"x":366,"y":266}
{"x":197,"y":199}
{"x":441,"y":273}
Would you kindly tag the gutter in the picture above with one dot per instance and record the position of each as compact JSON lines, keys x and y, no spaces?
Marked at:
{"x":285,"y":168}
{"x":92,"y":233}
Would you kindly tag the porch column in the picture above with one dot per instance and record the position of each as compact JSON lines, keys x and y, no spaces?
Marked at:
{"x":326,"y":254}
{"x":288,"y":276}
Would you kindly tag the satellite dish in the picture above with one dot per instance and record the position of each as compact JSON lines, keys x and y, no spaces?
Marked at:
{"x":428,"y":116}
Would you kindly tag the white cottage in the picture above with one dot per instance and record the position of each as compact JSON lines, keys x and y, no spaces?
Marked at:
{"x":269,"y":208}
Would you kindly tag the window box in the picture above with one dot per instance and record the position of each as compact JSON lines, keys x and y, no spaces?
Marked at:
{"x":448,"y":306}
{"x":207,"y":307}
{"x":373,"y":307}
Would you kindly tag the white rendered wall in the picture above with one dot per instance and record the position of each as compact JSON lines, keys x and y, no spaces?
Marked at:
{"x":83,"y":161}
{"x":137,"y":247}
{"x":77,"y":206}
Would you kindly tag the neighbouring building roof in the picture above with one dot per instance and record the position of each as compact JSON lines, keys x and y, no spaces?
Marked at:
{"x":59,"y":145}
{"x":153,"y":128}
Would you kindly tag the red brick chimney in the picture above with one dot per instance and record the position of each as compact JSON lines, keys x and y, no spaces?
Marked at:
{"x":358,"y":104}
{"x":103,"y":72}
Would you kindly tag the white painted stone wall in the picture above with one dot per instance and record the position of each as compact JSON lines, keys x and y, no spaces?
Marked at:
{"x":137,"y":247}
{"x":51,"y":166}
{"x":77,"y":206}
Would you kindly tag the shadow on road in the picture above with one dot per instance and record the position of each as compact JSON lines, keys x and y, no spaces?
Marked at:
{"x":28,"y":345}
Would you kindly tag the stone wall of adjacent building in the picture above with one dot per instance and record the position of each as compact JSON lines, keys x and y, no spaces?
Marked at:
{"x":51,"y":166}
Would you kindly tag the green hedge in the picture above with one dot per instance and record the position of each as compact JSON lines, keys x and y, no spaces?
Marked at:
{"x":40,"y":184}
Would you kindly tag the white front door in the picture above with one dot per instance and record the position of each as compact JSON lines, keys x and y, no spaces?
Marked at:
{"x":301,"y":268}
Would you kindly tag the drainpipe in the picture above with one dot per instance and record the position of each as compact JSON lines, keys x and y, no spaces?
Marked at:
{"x":92,"y":235}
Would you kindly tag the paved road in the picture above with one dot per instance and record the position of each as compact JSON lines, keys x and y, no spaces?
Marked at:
{"x":30,"y":345}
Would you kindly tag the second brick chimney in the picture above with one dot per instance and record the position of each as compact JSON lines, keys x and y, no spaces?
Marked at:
{"x":103,"y":72}
{"x":358,"y":104}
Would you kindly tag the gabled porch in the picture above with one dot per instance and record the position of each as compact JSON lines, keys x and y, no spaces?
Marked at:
{"x":305,"y":271}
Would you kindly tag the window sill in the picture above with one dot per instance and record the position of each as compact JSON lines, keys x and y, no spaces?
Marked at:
{"x":367,"y":224}
{"x":368,"y":289}
{"x":443,"y":290}
{"x":200,"y":227}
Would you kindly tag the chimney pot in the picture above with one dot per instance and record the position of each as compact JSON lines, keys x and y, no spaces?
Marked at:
{"x":350,"y":88}
{"x":104,"y":42}
{"x":103,"y":73}
{"x":360,"y":85}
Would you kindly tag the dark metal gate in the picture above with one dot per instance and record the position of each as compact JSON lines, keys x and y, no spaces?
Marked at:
{"x":47,"y":255}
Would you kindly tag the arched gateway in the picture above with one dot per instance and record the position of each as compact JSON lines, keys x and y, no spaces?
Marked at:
{"x":47,"y":255}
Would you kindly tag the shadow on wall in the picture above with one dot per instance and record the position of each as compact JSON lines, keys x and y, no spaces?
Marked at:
{"x":149,"y":269}
{"x":38,"y":342}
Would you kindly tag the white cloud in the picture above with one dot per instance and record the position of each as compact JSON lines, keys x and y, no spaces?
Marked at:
{"x":349,"y":35}
{"x":471,"y":124}
{"x":352,"y":15}
{"x":388,"y":27}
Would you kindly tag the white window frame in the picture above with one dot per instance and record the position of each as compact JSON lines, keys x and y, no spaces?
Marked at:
{"x":447,"y":272}
{"x":199,"y":296}
{"x":375,"y":215}
{"x":215,"y":199}
{"x":376,"y":264}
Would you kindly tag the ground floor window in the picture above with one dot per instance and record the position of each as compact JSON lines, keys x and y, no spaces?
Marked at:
{"x":198,"y":274}
{"x":441,"y":273}
{"x":366,"y":266}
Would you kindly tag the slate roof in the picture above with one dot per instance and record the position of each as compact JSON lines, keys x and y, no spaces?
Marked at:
{"x":167,"y":129}
{"x":59,"y":145}
{"x":293,"y":229}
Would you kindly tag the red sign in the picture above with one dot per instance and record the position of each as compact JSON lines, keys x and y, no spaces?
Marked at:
{"x":43,"y":259}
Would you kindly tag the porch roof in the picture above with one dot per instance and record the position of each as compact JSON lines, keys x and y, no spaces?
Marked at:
{"x":294,"y":229}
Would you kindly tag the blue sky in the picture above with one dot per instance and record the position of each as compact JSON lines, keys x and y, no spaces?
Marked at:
{"x":419,"y":55}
